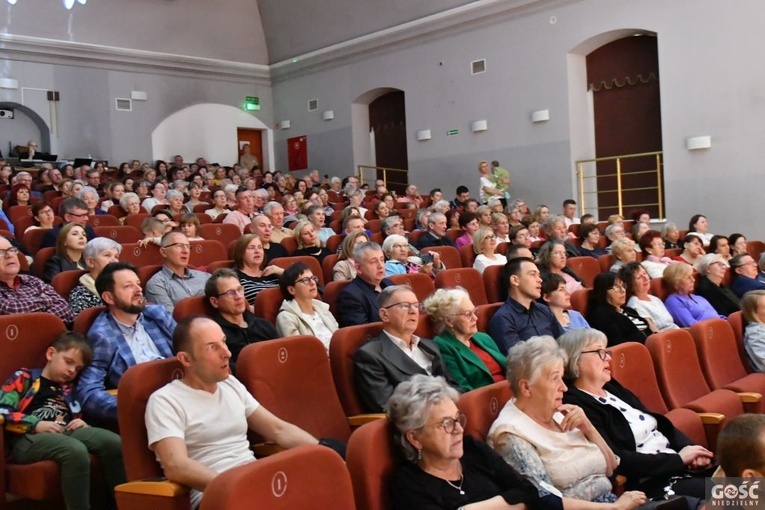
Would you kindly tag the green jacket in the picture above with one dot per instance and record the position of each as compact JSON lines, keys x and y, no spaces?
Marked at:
{"x":464,"y":365}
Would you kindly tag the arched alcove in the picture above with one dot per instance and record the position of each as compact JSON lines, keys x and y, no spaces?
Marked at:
{"x":208,"y":130}
{"x":383,"y":106}
{"x":582,"y":105}
{"x":44,"y":131}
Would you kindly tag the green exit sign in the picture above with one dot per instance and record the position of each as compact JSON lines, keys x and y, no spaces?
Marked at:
{"x":453,"y":132}
{"x":252,"y":103}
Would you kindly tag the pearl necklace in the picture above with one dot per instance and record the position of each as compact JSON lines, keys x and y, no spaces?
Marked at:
{"x":458,"y":487}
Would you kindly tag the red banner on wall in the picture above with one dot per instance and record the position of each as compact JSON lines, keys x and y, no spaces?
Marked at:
{"x":297,"y":153}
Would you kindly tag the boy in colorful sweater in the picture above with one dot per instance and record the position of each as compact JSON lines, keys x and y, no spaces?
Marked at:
{"x":42,"y":421}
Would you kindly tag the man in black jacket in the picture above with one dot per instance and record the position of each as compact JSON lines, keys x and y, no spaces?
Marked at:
{"x":357,"y":302}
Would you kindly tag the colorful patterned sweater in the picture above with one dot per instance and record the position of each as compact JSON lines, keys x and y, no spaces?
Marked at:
{"x":19,"y":391}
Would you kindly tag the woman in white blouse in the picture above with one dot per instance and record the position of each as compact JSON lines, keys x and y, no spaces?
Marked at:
{"x":301,"y":312}
{"x":638,"y":283}
{"x":484,"y":245}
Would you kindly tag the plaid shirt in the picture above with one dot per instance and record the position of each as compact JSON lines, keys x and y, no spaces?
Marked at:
{"x":30,"y":294}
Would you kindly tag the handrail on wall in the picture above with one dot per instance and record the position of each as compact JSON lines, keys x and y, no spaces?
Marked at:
{"x":620,"y":189}
{"x":385,"y":171}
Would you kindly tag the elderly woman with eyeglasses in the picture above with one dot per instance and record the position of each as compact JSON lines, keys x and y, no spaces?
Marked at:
{"x":651,"y":450}
{"x":471,"y":357}
{"x":712,"y":268}
{"x":609,"y":314}
{"x":447,"y":469}
{"x":302,"y":313}
{"x":554,"y":445}
{"x":686,"y":307}
{"x":484,"y":246}
{"x":396,"y":250}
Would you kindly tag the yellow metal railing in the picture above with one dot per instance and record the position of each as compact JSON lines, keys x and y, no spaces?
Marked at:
{"x":583,"y":177}
{"x":400,"y":175}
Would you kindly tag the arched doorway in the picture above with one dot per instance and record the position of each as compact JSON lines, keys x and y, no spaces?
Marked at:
{"x":208,"y":130}
{"x":615,"y":110}
{"x":379,"y":135}
{"x":40,"y":131}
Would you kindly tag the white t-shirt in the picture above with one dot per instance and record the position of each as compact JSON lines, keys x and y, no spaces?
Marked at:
{"x":213,"y":425}
{"x":485,"y":183}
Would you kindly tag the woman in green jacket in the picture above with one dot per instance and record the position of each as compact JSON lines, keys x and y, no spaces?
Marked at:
{"x":472,"y":358}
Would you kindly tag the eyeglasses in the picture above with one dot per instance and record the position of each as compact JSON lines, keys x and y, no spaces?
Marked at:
{"x":81,"y":215}
{"x":466,"y":314}
{"x":723,"y":264}
{"x":619,"y":288}
{"x":400,"y":246}
{"x":308,"y":279}
{"x":406,"y":307}
{"x":182,"y":246}
{"x":239,"y":291}
{"x":602,"y":353}
{"x":9,"y":251}
{"x":450,"y":424}
{"x":490,"y":237}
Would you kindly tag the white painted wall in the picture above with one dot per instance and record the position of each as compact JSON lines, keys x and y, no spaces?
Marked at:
{"x":208,"y":129}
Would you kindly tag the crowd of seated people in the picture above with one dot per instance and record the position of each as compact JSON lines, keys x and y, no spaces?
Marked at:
{"x":279,"y":216}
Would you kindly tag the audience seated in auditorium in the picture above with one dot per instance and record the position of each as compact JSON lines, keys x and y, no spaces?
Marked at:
{"x":396,"y":354}
{"x":558,"y":300}
{"x":712,"y":268}
{"x":225,"y":294}
{"x":556,"y":230}
{"x":425,"y":480}
{"x":344,"y":269}
{"x":245,"y":204}
{"x":609,"y":314}
{"x":654,"y":261}
{"x":23,"y":293}
{"x":175,"y":281}
{"x":396,"y":250}
{"x":552,"y":259}
{"x":275,"y":212}
{"x":744,"y":272}
{"x":70,"y":246}
{"x":521,"y":316}
{"x":693,"y":250}
{"x":308,"y":243}
{"x":589,"y":235}
{"x":128,"y":332}
{"x":638,"y":285}
{"x":471,"y":357}
{"x":251,"y":267}
{"x":651,"y":450}
{"x":98,"y":253}
{"x":190,"y":448}
{"x":357,"y":302}
{"x":436,"y":234}
{"x":302,"y":312}
{"x":75,"y":211}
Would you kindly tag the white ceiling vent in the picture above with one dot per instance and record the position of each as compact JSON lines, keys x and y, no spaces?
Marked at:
{"x":478,"y":66}
{"x":313,"y":105}
{"x":123,"y":104}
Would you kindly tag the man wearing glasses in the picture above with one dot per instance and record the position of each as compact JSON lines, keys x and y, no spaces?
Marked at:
{"x":744,"y":271}
{"x":22,"y":293}
{"x":397,"y":353}
{"x":75,"y":211}
{"x":128,"y":332}
{"x":225,"y":294}
{"x":175,"y":281}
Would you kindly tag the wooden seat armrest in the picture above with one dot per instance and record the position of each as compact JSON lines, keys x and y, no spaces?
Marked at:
{"x":265,"y":449}
{"x":360,"y":419}
{"x":711,"y":418}
{"x":159,"y":487}
{"x":750,"y":397}
{"x":112,"y":392}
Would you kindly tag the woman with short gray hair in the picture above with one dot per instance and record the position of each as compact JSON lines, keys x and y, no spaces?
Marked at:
{"x":99,"y":252}
{"x":396,"y":250}
{"x":651,"y":449}
{"x":712,"y":268}
{"x":553,"y":444}
{"x":447,"y":469}
{"x":89,"y":195}
{"x":473,"y":358}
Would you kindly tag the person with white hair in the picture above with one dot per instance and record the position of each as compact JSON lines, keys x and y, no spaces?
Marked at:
{"x":98,"y":253}
{"x":396,"y":249}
